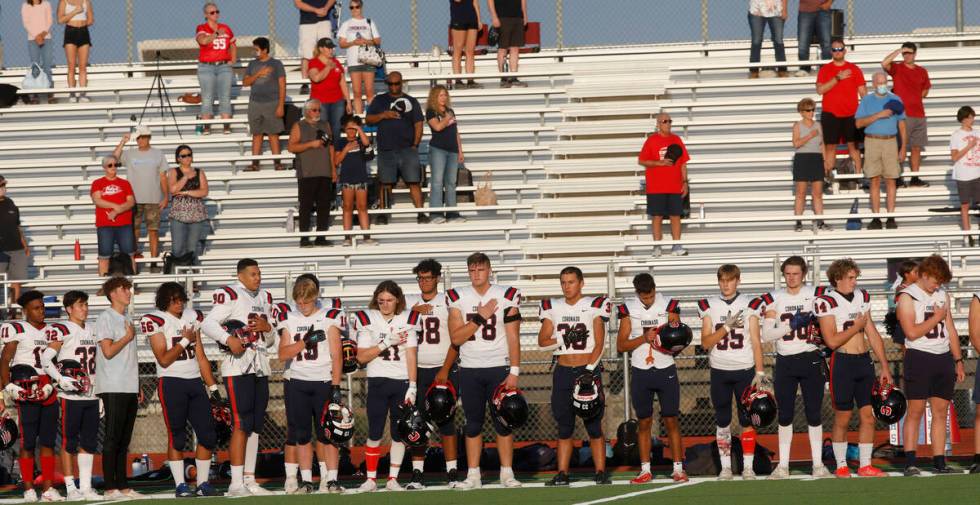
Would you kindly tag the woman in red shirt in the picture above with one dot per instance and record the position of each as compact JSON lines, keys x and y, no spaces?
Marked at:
{"x":114,"y":201}
{"x":216,"y":42}
{"x":329,"y":85}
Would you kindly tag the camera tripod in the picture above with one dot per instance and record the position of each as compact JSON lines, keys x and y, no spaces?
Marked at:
{"x":160,"y":87}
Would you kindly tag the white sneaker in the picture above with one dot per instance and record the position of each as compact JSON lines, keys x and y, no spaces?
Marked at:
{"x":768,"y":73}
{"x":780,"y":472}
{"x":291,"y":485}
{"x":393,"y":485}
{"x":457,"y":219}
{"x":30,"y":496}
{"x":801,"y":73}
{"x":368,"y":486}
{"x":255,"y":489}
{"x":657,"y":251}
{"x":51,"y":494}
{"x":91,"y":495}
{"x":438,"y":220}
{"x":725,"y":474}
{"x":821,"y":472}
{"x":131,"y":494}
{"x":74,"y":494}
{"x":678,"y":250}
{"x":113,"y":495}
{"x":509,"y":481}
{"x":84,"y":99}
{"x":322,"y":488}
{"x":748,"y":474}
{"x":470,"y":483}
{"x":238,"y":490}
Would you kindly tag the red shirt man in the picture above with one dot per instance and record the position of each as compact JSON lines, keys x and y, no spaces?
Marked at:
{"x":666,"y":182}
{"x":664,"y":179}
{"x":911,"y":83}
{"x":842,"y":99}
{"x":842,"y":84}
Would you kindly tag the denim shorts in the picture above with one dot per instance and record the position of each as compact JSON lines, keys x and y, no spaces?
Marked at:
{"x":111,"y":236}
{"x":357,"y":186}
{"x":402,"y":162}
{"x":362,"y":68}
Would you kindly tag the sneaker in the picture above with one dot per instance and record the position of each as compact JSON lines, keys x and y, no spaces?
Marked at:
{"x":238,"y":490}
{"x":725,"y":474}
{"x":767,"y":74}
{"x":473,"y":84}
{"x":91,"y":495}
{"x":347,"y":242}
{"x":799,"y":226}
{"x":875,"y":224}
{"x":975,"y":468}
{"x":206,"y":489}
{"x":30,"y":496}
{"x":304,"y":89}
{"x":393,"y":485}
{"x":871,"y":471}
{"x":255,"y":489}
{"x":321,"y":242}
{"x":679,"y":476}
{"x":84,"y":99}
{"x":842,"y":472}
{"x":74,"y":494}
{"x":422,"y":219}
{"x":602,"y":478}
{"x":368,"y":486}
{"x":517,"y":84}
{"x":505,"y":83}
{"x":657,"y":251}
{"x":108,"y":496}
{"x":452,"y":478}
{"x":918,"y":183}
{"x":822,"y":226}
{"x":936,"y":471}
{"x":820,"y":472}
{"x":912,"y":471}
{"x":753,"y":74}
{"x":369,"y":241}
{"x":469,"y":483}
{"x":305,"y":242}
{"x":678,"y":250}
{"x":560,"y":479}
{"x":382,"y":219}
{"x":437,"y":220}
{"x":184,"y":491}
{"x":417,"y":481}
{"x":781,"y":472}
{"x":291,"y":485}
{"x":227,"y":130}
{"x":51,"y":494}
{"x":748,"y":474}
{"x":132,"y":494}
{"x":801,"y":73}
{"x":305,"y":488}
{"x":334,"y":487}
{"x":510,"y":481}
{"x":891,"y":224}
{"x":642,"y":478}
{"x":457,"y":219}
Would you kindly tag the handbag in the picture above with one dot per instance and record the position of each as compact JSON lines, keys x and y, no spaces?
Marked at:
{"x":464,"y":178}
{"x":35,"y":78}
{"x":484,"y":192}
{"x":170,"y":262}
{"x":371,"y":55}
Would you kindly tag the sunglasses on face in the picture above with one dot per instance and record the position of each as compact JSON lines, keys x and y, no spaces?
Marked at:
{"x":837,"y":49}
{"x":111,"y":165}
{"x":390,"y":83}
{"x":186,"y":155}
{"x":808,"y":110}
{"x":314,"y":110}
{"x":213,"y":13}
{"x":354,"y":7}
{"x":666,"y":121}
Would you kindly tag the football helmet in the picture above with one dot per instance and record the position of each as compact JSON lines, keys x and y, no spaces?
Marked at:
{"x":575,"y":336}
{"x":887,"y":403}
{"x":674,"y":337}
{"x":628,"y":433}
{"x":412,"y":428}
{"x":75,"y":371}
{"x":36,"y":387}
{"x":236,"y":328}
{"x":221,"y":413}
{"x":759,"y":405}
{"x":509,"y":407}
{"x":348,"y":349}
{"x":336,"y":424}
{"x":440,"y":403}
{"x":8,"y":432}
{"x":587,"y":397}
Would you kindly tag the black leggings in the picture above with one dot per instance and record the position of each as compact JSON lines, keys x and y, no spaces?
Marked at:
{"x":120,"y":416}
{"x":315,"y":192}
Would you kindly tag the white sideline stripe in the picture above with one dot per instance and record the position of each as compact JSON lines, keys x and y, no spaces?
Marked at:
{"x":640,"y":493}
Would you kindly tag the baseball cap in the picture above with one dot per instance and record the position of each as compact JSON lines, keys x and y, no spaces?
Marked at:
{"x":895,"y":106}
{"x":325,"y":42}
{"x":142,"y":131}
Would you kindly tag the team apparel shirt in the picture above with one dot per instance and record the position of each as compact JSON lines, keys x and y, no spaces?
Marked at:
{"x":844,"y":311}
{"x":372,"y":328}
{"x":734,"y":350}
{"x":641,"y":317}
{"x":936,"y":341}
{"x":219,"y":49}
{"x":236,"y":302}
{"x":31,"y":341}
{"x":161,"y":321}
{"x":579,"y":316}
{"x":78,"y":344}
{"x":487,"y":347}
{"x":312,"y":363}
{"x":434,"y":341}
{"x":786,"y":305}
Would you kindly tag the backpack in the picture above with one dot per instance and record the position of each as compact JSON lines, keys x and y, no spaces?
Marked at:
{"x":120,"y":264}
{"x":704,"y":459}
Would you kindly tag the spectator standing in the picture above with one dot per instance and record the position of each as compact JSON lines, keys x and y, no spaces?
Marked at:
{"x":841,"y":83}
{"x":316,"y":19}
{"x":813,"y":17}
{"x":188,"y":215}
{"x":310,"y":140}
{"x":266,"y":100}
{"x":911,"y":83}
{"x":37,"y":19}
{"x":14,"y":252}
{"x":146,"y":171}
{"x":510,"y":18}
{"x":354,"y":34}
{"x":117,"y":385}
{"x":881,"y":123}
{"x":217,"y":53}
{"x":114,"y":200}
{"x":762,"y":13}
{"x":399,"y":120}
{"x":964,"y":147}
{"x":77,"y":16}
{"x":666,"y":181}
{"x":329,"y":84}
{"x":350,"y":158}
{"x":808,"y":163}
{"x":464,"y":27}
{"x":445,"y":153}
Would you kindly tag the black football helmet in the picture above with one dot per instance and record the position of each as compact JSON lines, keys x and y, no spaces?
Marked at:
{"x":412,"y":428}
{"x":75,"y":371}
{"x":628,"y":433}
{"x":236,"y":328}
{"x":509,"y":407}
{"x":587,"y":397}
{"x":759,"y":405}
{"x":36,"y":387}
{"x":8,"y":432}
{"x":221,"y":413}
{"x":348,"y":349}
{"x":440,"y":403}
{"x":336,"y":424}
{"x":888,"y":403}
{"x":674,"y":337}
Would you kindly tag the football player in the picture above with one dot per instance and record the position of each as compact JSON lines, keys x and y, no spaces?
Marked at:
{"x":730,"y":334}
{"x":185,"y":384}
{"x":575,"y":326}
{"x":933,"y":358}
{"x":309,"y":346}
{"x":485,"y":321}
{"x":788,"y":321}
{"x":437,"y":360}
{"x":37,"y":406}
{"x":387,"y":342}
{"x":245,"y":367}
{"x":652,"y":371}
{"x":846,"y":327}
{"x":79,"y":409}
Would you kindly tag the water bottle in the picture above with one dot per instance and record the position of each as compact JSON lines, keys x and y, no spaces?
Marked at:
{"x":137,"y":467}
{"x":290,"y":222}
{"x":146,"y":462}
{"x":199,"y":128}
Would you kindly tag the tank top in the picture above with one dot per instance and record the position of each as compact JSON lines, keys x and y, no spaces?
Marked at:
{"x":812,"y":145}
{"x":188,"y":209}
{"x":80,"y":15}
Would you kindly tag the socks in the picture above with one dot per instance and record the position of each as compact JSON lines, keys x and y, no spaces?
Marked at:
{"x":324,"y":473}
{"x":506,"y":472}
{"x":177,"y":469}
{"x":27,"y":469}
{"x":815,"y":433}
{"x":645,"y":466}
{"x":418,"y":465}
{"x":291,"y":469}
{"x":473,"y":473}
{"x":237,"y":476}
{"x":724,"y":439}
{"x":251,"y":453}
{"x":451,"y":463}
{"x":306,"y":474}
{"x":939,"y":462}
{"x":397,"y":454}
{"x":864,"y":451}
{"x":69,"y":483}
{"x":748,"y":447}
{"x":47,"y":467}
{"x":679,"y":466}
{"x":909,"y":459}
{"x":840,"y":454}
{"x":785,"y":440}
{"x":203,"y":470}
{"x":85,"y":471}
{"x":371,"y":457}
{"x":332,"y":475}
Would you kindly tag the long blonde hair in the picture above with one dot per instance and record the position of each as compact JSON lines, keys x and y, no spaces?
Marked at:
{"x":432,"y":103}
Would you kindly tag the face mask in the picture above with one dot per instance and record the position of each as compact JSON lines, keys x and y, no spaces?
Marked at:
{"x":881,"y":90}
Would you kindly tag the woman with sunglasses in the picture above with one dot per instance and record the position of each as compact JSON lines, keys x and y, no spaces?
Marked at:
{"x":217,"y":54}
{"x":356,"y":33}
{"x":808,"y":162}
{"x":114,"y":200}
{"x":188,"y":216}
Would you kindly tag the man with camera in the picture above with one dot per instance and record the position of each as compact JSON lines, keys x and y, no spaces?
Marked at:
{"x":310,"y":139}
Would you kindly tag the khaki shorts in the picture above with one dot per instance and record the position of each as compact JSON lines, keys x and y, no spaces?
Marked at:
{"x":309,"y":34}
{"x":918,"y":135}
{"x":262,"y":118}
{"x":150,"y":212}
{"x":881,"y":158}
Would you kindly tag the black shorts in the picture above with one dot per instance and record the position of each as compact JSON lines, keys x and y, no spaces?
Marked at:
{"x":851,"y":378}
{"x":79,"y":425}
{"x":77,"y":36}
{"x":511,"y":33}
{"x":425,"y":377}
{"x":38,"y":424}
{"x":976,"y":388}
{"x":183,"y":401}
{"x":806,"y":371}
{"x":466,"y":25}
{"x":305,"y":401}
{"x":249,"y":397}
{"x":476,"y":386}
{"x":665,"y":204}
{"x":383,"y":398}
{"x":808,"y":167}
{"x":725,"y":386}
{"x":837,"y":129}
{"x":562,"y":387}
{"x":660,"y":382}
{"x":929,"y":375}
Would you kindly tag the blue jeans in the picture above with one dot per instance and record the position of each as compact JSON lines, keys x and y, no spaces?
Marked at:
{"x":333,"y":112}
{"x":188,"y":237}
{"x":215,"y":79}
{"x":445,"y":167}
{"x":42,"y":56}
{"x":111,"y":236}
{"x":758,"y":26}
{"x":806,"y":23}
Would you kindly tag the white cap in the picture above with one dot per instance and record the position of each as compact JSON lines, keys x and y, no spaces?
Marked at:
{"x":142,"y":131}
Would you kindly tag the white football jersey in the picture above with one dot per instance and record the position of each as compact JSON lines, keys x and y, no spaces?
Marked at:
{"x":78,"y":344}
{"x":786,"y":305}
{"x":371,"y":329}
{"x":31,"y":341}
{"x":645,"y":356}
{"x":314,"y":363}
{"x":937,"y":340}
{"x":843,"y":310}
{"x":161,"y":321}
{"x":434,"y":341}
{"x":565,"y":317}
{"x":236,"y":302}
{"x":488,"y":346}
{"x":734,"y":351}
